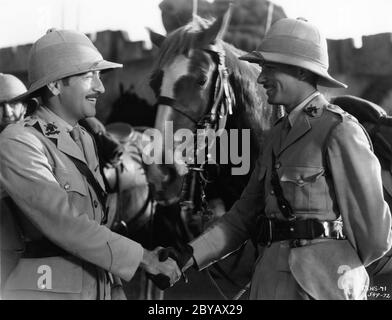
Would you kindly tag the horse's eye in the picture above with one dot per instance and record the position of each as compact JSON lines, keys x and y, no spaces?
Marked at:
{"x":202,"y":81}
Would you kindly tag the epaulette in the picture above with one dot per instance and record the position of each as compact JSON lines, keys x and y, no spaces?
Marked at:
{"x":339,"y":111}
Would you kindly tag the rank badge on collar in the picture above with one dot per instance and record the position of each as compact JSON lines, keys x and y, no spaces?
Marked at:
{"x":51,"y":129}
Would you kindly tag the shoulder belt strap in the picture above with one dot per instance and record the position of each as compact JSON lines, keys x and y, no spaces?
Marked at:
{"x":86,"y":172}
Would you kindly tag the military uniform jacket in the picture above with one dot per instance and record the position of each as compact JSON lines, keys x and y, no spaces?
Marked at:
{"x":327,"y":171}
{"x":58,"y":204}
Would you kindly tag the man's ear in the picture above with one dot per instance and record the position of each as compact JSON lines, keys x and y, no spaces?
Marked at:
{"x":307,"y":76}
{"x":302,"y":74}
{"x":54,"y":87}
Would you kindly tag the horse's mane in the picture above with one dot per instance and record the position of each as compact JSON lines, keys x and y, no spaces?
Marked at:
{"x":180,"y":41}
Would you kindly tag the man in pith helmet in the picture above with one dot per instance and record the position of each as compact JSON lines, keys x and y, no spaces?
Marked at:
{"x":50,"y":170}
{"x":315,"y":198}
{"x":10,"y":112}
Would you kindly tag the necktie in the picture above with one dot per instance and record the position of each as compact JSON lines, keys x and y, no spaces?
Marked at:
{"x":285,"y":129}
{"x":75,"y":135}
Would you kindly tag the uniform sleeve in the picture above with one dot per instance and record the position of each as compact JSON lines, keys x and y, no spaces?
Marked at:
{"x":356,"y":175}
{"x":235,"y":227}
{"x":27,"y":177}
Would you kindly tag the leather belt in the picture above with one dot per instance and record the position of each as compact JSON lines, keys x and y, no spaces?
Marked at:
{"x":273,"y":230}
{"x":42,"y":249}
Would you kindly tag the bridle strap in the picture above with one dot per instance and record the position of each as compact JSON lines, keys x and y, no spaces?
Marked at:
{"x":172,"y":103}
{"x":223,"y":96}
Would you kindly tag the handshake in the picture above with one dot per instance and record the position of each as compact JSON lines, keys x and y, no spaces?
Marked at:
{"x":164,"y":266}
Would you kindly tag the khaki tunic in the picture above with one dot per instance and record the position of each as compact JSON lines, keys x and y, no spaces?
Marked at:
{"x":327,"y":171}
{"x":57,"y":203}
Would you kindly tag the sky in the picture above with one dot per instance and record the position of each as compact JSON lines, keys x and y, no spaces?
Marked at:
{"x":24,"y":21}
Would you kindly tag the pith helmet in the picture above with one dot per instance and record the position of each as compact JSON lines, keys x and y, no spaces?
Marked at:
{"x":299,"y":43}
{"x":62,"y":53}
{"x":10,"y":87}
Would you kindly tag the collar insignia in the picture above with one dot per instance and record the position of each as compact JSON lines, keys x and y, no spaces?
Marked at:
{"x":51,"y":129}
{"x":311,"y":110}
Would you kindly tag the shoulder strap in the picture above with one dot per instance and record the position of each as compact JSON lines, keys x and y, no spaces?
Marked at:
{"x":283,"y":204}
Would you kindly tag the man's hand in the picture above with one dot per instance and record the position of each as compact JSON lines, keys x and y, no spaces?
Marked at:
{"x":163,"y":273}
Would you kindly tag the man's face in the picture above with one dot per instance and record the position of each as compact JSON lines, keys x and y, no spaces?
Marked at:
{"x":78,"y":95}
{"x":11,"y":113}
{"x":280,"y":83}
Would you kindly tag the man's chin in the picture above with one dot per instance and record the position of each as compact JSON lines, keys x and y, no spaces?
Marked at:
{"x":90,"y":112}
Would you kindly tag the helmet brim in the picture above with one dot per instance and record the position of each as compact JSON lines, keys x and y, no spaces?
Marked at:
{"x":325,"y":78}
{"x":101,"y":65}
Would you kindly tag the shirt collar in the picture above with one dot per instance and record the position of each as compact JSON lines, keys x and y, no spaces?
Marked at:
{"x":293,"y":115}
{"x":60,"y":121}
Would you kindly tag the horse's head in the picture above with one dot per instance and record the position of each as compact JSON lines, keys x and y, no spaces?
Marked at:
{"x":184,"y":80}
{"x":198,"y":78}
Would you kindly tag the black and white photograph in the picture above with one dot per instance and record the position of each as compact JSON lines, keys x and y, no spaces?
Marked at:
{"x":195,"y":155}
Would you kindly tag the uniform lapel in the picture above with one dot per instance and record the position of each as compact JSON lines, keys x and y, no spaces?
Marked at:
{"x":66,"y":144}
{"x":302,"y":125}
{"x":276,"y":143}
{"x":300,"y":128}
{"x":57,"y":133}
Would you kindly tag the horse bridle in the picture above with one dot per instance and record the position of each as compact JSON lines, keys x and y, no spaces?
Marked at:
{"x":223,"y":96}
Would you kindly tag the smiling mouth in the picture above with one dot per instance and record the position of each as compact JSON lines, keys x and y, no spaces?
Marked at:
{"x":94,"y":100}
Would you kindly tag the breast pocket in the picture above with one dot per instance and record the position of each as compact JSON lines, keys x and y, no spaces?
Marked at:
{"x":304,"y":187}
{"x":71,"y":181}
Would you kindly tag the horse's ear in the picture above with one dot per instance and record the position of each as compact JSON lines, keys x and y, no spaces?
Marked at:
{"x":156,"y":38}
{"x":215,"y":32}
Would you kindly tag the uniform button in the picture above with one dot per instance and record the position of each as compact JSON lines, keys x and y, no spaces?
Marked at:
{"x":278,"y":165}
{"x":272,"y":192}
{"x":95,"y":203}
{"x":283,"y":207}
{"x":300,"y":181}
{"x":67,"y":186}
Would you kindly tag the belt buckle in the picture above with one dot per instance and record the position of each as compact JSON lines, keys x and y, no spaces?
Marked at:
{"x":298,"y":243}
{"x":295,"y":243}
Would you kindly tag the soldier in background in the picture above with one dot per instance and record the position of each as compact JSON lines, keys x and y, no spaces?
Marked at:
{"x":11,"y":112}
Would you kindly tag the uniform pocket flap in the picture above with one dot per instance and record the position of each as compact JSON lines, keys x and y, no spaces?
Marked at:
{"x":301,"y":175}
{"x":71,"y":182}
{"x":53,"y":274}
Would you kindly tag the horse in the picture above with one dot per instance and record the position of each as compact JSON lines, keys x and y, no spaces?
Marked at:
{"x":198,"y":78}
